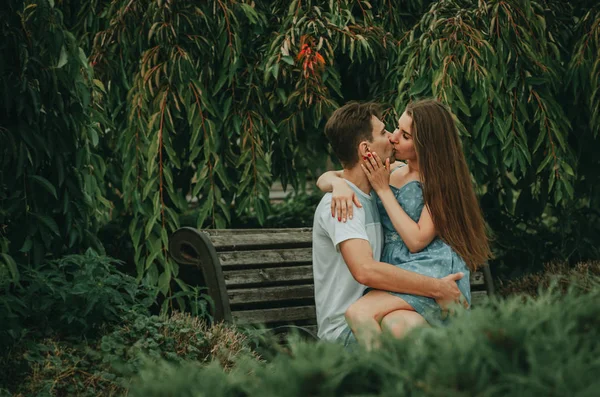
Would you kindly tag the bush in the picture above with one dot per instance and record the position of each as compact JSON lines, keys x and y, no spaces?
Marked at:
{"x":560,"y":274}
{"x":103,"y":367}
{"x":544,"y":346}
{"x":72,"y":296}
{"x":175,"y":338}
{"x":297,"y":210}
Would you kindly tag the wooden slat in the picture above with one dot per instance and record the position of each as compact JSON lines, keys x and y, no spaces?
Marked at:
{"x":228,"y":232}
{"x":271,"y":240}
{"x":478,"y":297}
{"x":270,"y":294}
{"x":477,"y":278}
{"x":268,"y":275}
{"x":266,"y":257}
{"x":274,"y":315}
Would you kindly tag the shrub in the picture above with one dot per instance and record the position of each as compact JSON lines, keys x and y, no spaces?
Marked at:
{"x":175,"y":338}
{"x":544,"y":346}
{"x":297,"y":210}
{"x":52,"y":192}
{"x":71,"y":296}
{"x":560,"y":274}
{"x":52,"y":367}
{"x":103,"y":367}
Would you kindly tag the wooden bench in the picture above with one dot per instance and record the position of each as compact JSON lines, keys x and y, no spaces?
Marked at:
{"x":262,"y":276}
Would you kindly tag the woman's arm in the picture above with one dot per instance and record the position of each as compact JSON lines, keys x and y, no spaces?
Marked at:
{"x":327,"y":180}
{"x":415,"y":235}
{"x":342,"y":195}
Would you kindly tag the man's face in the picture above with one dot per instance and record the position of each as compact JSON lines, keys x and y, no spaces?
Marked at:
{"x":381,"y":141}
{"x":402,"y":139}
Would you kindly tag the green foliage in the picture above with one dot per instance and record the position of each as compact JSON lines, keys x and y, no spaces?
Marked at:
{"x":103,"y":366}
{"x":51,"y":367}
{"x":73,"y":296}
{"x":176,"y":338}
{"x":496,"y":65}
{"x":296,"y":210}
{"x":557,"y":274}
{"x":51,"y":194}
{"x":211,"y":102}
{"x":543,"y":346}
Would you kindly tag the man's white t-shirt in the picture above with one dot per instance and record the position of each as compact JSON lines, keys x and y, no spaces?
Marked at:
{"x":335,"y":288}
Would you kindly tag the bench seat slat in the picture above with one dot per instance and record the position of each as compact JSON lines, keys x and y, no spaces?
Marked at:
{"x":268,"y":275}
{"x":273,"y":256}
{"x":271,"y":240}
{"x":229,"y":232}
{"x":283,"y":314}
{"x":270,"y":294}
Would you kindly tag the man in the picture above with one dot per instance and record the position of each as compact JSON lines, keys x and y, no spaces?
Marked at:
{"x":346,"y":255}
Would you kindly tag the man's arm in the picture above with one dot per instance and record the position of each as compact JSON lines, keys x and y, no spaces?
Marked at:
{"x":358,"y":256}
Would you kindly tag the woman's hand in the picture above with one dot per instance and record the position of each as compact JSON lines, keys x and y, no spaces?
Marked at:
{"x":341,"y":201}
{"x":377,"y":172}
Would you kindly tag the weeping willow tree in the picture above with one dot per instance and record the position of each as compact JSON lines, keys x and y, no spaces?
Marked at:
{"x":212,"y":102}
{"x":51,"y":184}
{"x":500,"y":67}
{"x":209,"y":102}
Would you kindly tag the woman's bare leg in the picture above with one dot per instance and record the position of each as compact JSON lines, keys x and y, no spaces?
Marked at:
{"x":399,"y":322}
{"x":365,"y":315}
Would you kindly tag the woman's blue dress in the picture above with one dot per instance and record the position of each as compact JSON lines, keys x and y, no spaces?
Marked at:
{"x":436,"y":260}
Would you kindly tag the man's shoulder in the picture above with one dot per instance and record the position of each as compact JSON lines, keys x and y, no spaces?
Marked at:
{"x":324,"y":205}
{"x":323,"y":209}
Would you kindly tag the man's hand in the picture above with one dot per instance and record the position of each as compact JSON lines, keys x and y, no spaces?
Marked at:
{"x":447,"y":290}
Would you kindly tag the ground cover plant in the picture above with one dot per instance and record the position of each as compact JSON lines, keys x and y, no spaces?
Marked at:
{"x":544,"y":346}
{"x":547,"y":344}
{"x":103,"y":365}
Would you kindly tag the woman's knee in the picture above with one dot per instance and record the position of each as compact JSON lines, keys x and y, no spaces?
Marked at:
{"x":357,"y":313}
{"x":400,"y":322}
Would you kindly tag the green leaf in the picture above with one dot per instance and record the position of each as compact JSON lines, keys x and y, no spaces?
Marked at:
{"x":100,"y":85}
{"x":62,"y":61}
{"x":164,"y":281}
{"x":48,"y":222}
{"x":221,"y":81}
{"x":420,"y":86}
{"x":567,"y":168}
{"x":205,"y":210}
{"x":249,"y":12}
{"x":45,"y":184}
{"x":288,"y":59}
{"x":11,"y":265}
{"x":26,"y":245}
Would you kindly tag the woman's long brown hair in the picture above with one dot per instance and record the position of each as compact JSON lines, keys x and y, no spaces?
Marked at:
{"x":447,"y":187}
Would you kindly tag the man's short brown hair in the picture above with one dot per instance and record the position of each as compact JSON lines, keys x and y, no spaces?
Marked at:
{"x":348,"y":126}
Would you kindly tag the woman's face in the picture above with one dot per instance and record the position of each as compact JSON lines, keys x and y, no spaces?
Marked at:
{"x":402,"y":139}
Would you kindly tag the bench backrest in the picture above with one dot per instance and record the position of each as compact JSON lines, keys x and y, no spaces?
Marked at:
{"x":262,"y":275}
